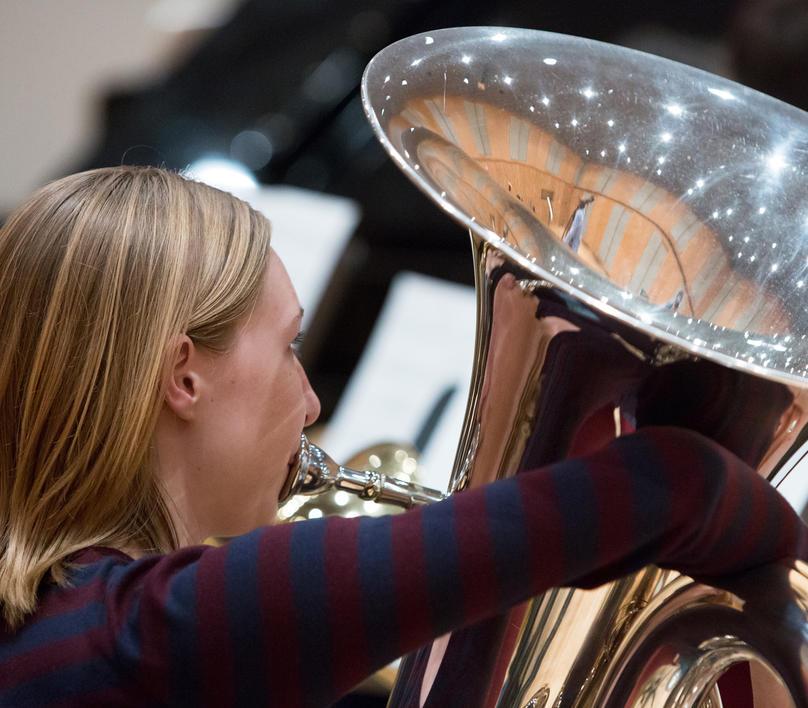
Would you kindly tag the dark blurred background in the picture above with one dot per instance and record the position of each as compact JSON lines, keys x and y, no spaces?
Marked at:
{"x":274,"y":85}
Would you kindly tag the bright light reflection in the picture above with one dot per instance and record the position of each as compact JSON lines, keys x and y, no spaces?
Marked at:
{"x":674,"y":109}
{"x":415,"y":62}
{"x":610,"y":122}
{"x":221,"y":173}
{"x":550,"y":61}
{"x":466,"y":59}
{"x":545,"y":101}
{"x":723,"y":94}
{"x":776,"y":161}
{"x":574,"y":122}
{"x":508,"y":80}
{"x":341,"y":498}
{"x":666,"y":137}
{"x":428,"y":40}
{"x":499,"y":37}
{"x":699,"y":183}
{"x":588,"y":92}
{"x":762,"y":210}
{"x":621,"y":147}
{"x":315,"y":514}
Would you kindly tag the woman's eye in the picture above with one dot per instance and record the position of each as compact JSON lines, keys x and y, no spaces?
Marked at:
{"x":297,"y":344}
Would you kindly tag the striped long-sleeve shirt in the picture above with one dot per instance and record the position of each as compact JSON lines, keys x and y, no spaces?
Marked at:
{"x":295,"y":615}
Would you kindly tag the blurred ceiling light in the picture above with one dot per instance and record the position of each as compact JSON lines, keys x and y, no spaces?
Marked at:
{"x":252,"y":148}
{"x":219,"y":172}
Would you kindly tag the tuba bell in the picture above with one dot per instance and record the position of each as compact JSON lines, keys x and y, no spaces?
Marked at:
{"x":639,"y":232}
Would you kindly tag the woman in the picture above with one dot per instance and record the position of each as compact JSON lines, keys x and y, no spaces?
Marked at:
{"x":150,"y":396}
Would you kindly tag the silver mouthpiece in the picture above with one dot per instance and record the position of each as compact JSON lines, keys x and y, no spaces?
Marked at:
{"x":315,"y":472}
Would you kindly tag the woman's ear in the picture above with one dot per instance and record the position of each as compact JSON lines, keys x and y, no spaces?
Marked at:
{"x":182,"y":389}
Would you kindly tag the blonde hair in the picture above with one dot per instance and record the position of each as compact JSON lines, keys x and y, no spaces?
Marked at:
{"x":100,"y":273}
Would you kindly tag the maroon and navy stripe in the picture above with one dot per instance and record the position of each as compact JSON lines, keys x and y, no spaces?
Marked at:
{"x":294,"y":615}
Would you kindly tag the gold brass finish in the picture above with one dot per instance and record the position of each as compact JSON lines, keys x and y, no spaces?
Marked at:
{"x":640,"y":243}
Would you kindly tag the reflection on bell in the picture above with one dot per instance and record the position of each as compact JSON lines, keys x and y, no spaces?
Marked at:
{"x":639,"y":234}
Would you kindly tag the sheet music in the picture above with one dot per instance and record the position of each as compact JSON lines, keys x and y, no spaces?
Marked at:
{"x":309,"y":231}
{"x":422,"y":344}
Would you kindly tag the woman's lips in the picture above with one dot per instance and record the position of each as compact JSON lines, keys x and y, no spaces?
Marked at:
{"x":295,"y":454}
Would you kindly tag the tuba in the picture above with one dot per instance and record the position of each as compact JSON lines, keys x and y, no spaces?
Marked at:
{"x":639,"y":232}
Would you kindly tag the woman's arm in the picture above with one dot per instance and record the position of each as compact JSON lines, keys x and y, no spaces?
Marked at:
{"x":296,"y":615}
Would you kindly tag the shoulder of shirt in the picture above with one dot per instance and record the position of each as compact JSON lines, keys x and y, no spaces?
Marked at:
{"x":94,"y":554}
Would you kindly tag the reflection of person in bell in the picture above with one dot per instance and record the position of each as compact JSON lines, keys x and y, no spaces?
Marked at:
{"x":673,"y":304}
{"x":574,"y":232}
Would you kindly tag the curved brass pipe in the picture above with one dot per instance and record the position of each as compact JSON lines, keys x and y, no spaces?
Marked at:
{"x":697,"y":189}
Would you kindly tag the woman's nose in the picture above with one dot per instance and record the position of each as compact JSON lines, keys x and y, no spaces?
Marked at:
{"x":312,"y":402}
